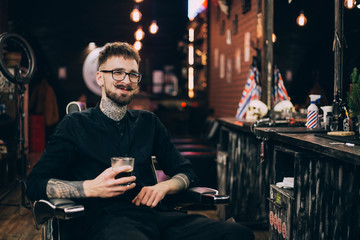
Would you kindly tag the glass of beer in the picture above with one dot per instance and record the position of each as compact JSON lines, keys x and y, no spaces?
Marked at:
{"x":123,"y":161}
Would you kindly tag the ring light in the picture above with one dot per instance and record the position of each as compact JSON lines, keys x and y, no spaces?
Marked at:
{"x":17,"y":78}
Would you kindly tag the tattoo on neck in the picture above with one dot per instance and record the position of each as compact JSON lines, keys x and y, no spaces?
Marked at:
{"x":56,"y":188}
{"x":112,"y":110}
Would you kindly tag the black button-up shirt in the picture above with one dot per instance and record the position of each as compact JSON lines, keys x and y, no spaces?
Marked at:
{"x":83,"y":143}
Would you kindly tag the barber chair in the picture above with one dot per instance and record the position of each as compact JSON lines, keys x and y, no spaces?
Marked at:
{"x":51,"y":215}
{"x":75,"y":106}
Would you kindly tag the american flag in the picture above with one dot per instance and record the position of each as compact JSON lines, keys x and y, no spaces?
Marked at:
{"x":252,"y":91}
{"x":279,"y":91}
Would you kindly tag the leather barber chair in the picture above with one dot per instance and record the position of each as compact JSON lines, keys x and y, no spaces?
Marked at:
{"x":52,"y":215}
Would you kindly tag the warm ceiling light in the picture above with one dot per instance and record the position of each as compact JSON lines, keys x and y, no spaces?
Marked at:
{"x":301,"y":19}
{"x":191,"y":54}
{"x":191,"y":78}
{"x":153,"y":29}
{"x":138,"y":1}
{"x":191,"y":34}
{"x":139,"y":34}
{"x":273,"y":37}
{"x":350,"y":4}
{"x":137,"y":45}
{"x":191,"y":93}
{"x":92,"y":46}
{"x":191,"y":82}
{"x":135,"y":15}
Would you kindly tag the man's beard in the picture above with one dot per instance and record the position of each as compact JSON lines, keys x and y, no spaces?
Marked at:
{"x":121,"y":100}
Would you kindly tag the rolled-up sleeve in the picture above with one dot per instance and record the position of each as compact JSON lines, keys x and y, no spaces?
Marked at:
{"x":54,"y":163}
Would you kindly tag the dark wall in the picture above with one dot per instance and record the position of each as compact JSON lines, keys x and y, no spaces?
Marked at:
{"x":3,"y":15}
{"x":60,"y":32}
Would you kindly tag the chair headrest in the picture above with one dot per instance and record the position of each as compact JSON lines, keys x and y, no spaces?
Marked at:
{"x":75,"y":107}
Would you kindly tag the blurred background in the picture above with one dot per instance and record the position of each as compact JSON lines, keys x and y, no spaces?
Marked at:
{"x":196,"y":63}
{"x":63,"y":34}
{"x":197,"y":60}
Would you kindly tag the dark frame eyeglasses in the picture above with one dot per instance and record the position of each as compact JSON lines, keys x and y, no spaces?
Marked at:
{"x":119,"y":75}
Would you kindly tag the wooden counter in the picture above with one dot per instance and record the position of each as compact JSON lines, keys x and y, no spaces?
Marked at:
{"x":240,"y":173}
{"x":322,"y":146}
{"x":326,"y":193}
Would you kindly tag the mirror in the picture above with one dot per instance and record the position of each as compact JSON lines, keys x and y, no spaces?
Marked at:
{"x":304,"y":54}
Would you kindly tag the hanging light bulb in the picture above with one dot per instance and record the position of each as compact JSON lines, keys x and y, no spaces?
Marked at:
{"x":273,"y":37}
{"x":153,"y":29}
{"x":139,"y":34}
{"x":135,"y":15}
{"x":349,"y":4}
{"x":191,"y":82}
{"x":191,"y":54}
{"x":91,"y":46}
{"x":138,"y":1}
{"x":301,"y":20}
{"x":137,"y":45}
{"x":191,"y":34}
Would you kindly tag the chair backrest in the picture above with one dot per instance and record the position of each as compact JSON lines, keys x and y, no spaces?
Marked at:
{"x":159,"y":175}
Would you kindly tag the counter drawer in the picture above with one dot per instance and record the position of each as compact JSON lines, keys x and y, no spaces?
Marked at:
{"x":281,"y":205}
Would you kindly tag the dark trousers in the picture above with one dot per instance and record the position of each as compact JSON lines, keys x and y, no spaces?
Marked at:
{"x":153,"y":225}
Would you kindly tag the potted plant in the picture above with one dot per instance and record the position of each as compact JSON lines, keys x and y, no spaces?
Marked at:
{"x":354,"y":98}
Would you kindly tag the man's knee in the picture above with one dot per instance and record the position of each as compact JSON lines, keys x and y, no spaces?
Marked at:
{"x":120,"y":227}
{"x":113,"y":234}
{"x":236,"y":231}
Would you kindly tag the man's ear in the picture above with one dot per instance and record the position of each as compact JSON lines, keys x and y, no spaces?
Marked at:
{"x":99,"y":79}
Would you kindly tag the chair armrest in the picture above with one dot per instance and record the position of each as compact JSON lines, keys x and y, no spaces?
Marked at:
{"x":205,"y":196}
{"x":208,"y":196}
{"x":197,"y":198}
{"x":44,"y":210}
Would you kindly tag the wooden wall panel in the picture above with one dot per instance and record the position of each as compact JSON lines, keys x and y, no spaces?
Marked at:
{"x":224,"y":95}
{"x":327,"y":199}
{"x":245,"y":179}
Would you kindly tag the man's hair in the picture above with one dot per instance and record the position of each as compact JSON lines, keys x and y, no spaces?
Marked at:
{"x":118,"y":49}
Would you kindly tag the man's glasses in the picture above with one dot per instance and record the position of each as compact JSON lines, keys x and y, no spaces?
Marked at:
{"x":119,"y":75}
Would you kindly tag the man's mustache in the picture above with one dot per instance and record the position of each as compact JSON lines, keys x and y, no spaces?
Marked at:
{"x":124,"y":87}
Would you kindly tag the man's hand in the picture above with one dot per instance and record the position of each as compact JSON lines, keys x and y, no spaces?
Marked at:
{"x":151,"y":195}
{"x":105,"y":185}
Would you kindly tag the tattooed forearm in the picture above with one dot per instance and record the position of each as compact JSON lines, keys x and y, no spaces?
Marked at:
{"x":182,"y":181}
{"x":56,"y":188}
